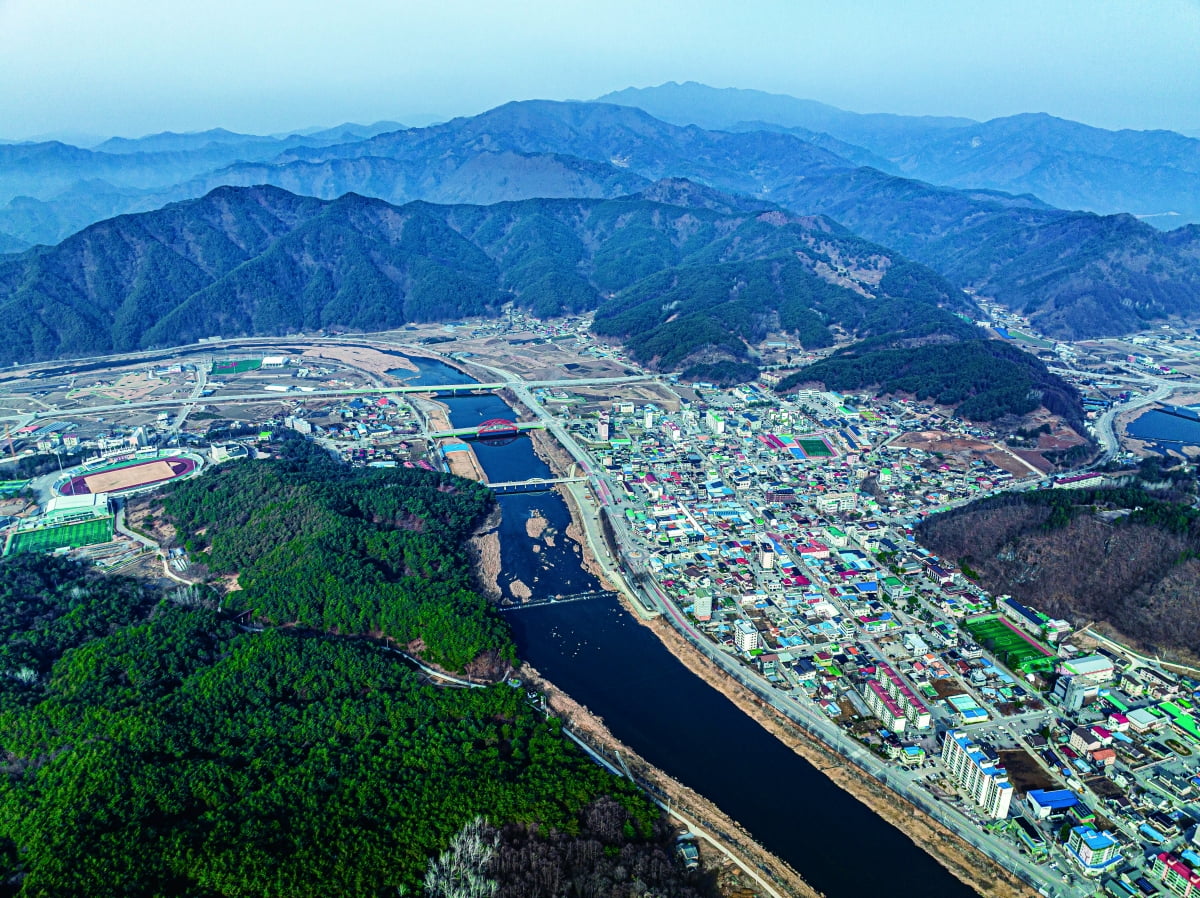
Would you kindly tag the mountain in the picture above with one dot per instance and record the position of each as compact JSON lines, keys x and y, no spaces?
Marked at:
{"x":691,"y":103}
{"x":262,"y":260}
{"x":687,"y":277}
{"x":1155,"y":174}
{"x":10,"y":244}
{"x":1075,"y":274}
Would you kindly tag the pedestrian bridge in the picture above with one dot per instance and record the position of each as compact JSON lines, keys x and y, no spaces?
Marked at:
{"x":559,"y":600}
{"x":532,"y":485}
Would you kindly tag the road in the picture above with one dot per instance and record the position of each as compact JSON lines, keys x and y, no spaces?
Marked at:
{"x":275,"y":396}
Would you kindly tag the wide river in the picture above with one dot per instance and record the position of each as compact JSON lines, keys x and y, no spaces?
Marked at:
{"x":604,"y":659}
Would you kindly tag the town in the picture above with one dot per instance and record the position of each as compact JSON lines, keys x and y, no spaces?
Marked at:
{"x":778,"y":533}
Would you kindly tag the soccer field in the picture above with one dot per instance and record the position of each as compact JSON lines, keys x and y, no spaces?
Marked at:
{"x":85,"y":533}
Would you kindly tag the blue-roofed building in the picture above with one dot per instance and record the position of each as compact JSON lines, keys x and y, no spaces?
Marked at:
{"x":1045,"y":803}
{"x":1094,"y":851}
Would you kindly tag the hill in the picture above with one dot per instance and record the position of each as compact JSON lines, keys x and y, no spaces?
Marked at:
{"x":1069,"y":165}
{"x":264,"y":261}
{"x":151,"y":739}
{"x":1124,"y":556}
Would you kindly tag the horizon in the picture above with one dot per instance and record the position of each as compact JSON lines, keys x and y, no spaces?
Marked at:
{"x":129,"y":69}
{"x":427,"y":119}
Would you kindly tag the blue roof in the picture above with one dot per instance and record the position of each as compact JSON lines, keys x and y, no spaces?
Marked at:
{"x":1057,"y":799}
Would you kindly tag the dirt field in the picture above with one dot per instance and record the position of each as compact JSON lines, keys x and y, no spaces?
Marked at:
{"x":124,"y":478}
{"x":1024,"y":772}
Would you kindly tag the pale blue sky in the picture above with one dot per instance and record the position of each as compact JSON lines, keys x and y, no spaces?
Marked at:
{"x":132,"y":67}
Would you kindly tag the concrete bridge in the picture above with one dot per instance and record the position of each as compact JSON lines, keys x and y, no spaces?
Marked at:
{"x":532,"y":485}
{"x":559,"y":600}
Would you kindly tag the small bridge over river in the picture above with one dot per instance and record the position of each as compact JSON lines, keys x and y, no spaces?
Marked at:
{"x":496,"y":429}
{"x":532,"y":485}
{"x":559,"y":600}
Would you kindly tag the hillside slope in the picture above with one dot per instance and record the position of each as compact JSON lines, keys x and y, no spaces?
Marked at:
{"x":1072,"y":554}
{"x":264,"y":261}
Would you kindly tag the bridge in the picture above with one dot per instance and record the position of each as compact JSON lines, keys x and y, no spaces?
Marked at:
{"x":560,"y":600}
{"x":495,"y":429}
{"x":532,"y":485}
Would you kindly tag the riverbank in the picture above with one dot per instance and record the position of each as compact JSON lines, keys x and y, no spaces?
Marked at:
{"x":748,"y":854}
{"x":962,"y":860}
{"x":483,"y":548}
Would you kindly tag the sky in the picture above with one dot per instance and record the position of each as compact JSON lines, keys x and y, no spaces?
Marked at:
{"x":132,"y":67}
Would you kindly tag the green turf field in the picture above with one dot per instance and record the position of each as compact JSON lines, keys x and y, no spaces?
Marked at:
{"x":236,"y":366}
{"x":85,"y":533}
{"x":814,"y":448}
{"x":1015,"y":650}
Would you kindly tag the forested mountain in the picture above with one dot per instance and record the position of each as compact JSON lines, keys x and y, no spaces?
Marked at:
{"x":153,"y":747}
{"x":1109,"y":275}
{"x":1065,"y":163}
{"x":1126,"y":555}
{"x":264,"y":261}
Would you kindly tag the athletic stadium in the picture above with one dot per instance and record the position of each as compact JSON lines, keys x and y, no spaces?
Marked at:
{"x":121,"y":476}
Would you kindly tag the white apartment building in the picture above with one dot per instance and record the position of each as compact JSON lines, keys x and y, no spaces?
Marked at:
{"x":979,"y":776}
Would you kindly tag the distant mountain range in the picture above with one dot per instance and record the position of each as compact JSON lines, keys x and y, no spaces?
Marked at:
{"x":684,"y":274}
{"x":1153,"y":174}
{"x":1076,"y":274}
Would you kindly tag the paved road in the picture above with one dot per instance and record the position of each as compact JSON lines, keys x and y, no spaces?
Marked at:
{"x":273,"y":396}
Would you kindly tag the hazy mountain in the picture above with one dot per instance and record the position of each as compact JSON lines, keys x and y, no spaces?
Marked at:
{"x":1155,"y":174}
{"x":347,"y":131}
{"x":711,"y":107}
{"x":1076,"y":274}
{"x":451,"y":175}
{"x":10,"y":244}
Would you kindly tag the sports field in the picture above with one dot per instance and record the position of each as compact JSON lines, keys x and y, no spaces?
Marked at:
{"x":1012,"y":647}
{"x":815,"y":448}
{"x":235,"y":366}
{"x":127,"y":476}
{"x":85,"y":533}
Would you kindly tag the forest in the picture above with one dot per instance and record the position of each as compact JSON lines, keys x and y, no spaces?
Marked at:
{"x":985,"y":379}
{"x":156,"y":745}
{"x":1128,"y":554}
{"x":319,"y":545}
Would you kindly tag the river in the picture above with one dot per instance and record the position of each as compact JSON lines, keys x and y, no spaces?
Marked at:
{"x":597,"y":653}
{"x":1158,"y":426}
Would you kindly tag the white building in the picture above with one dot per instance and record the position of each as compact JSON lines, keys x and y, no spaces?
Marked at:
{"x":745,"y":637}
{"x":980,"y":777}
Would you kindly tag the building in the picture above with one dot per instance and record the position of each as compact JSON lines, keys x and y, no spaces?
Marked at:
{"x":980,"y":776}
{"x":1045,"y":803}
{"x":1176,"y":876}
{"x":1096,"y":668}
{"x":745,"y":637}
{"x":702,"y":606}
{"x":1093,"y":851}
{"x":885,"y":708}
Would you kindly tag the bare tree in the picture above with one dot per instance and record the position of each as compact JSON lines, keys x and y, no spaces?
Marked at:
{"x":461,"y":870}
